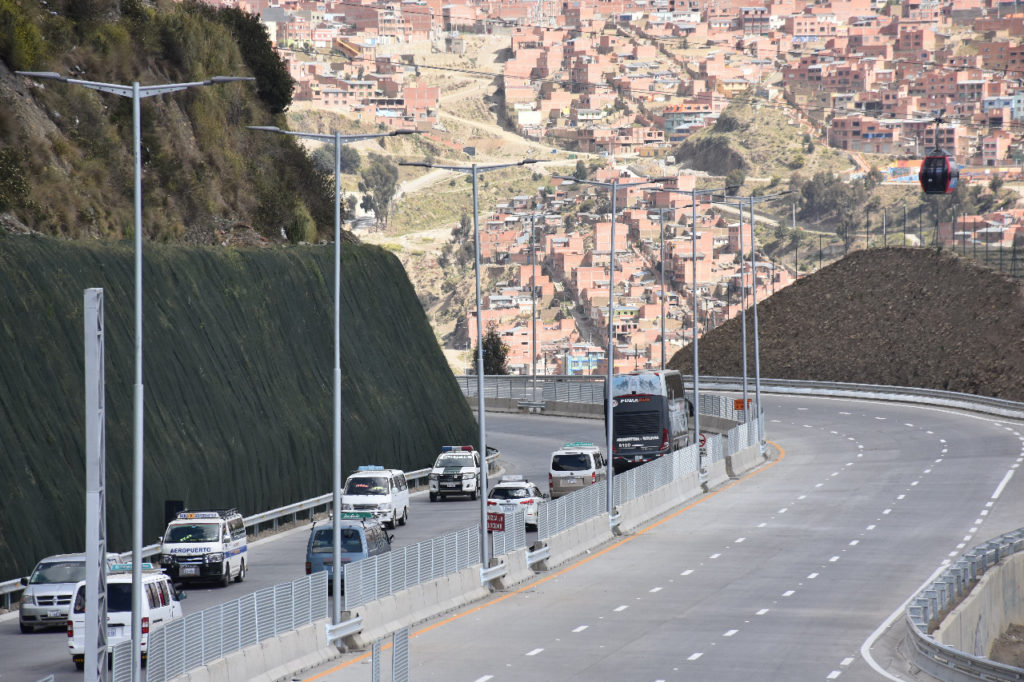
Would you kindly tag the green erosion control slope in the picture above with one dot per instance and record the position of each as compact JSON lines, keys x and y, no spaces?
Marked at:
{"x":238,"y":376}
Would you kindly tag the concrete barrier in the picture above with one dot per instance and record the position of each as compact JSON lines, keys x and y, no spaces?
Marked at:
{"x":517,"y":570}
{"x":996,"y":602}
{"x":273,"y":659}
{"x":637,"y":512}
{"x":415,"y":605}
{"x":575,"y":541}
{"x":743,"y":461}
{"x":717,"y":474}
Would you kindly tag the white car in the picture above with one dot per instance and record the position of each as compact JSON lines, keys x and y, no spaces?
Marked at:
{"x":514,"y":493}
{"x":455,"y":472}
{"x":160,"y":605}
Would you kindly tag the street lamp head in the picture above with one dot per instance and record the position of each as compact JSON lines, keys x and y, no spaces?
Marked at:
{"x":42,"y":74}
{"x":230,"y":79}
{"x":403,"y":132}
{"x":271,"y":129}
{"x":526,"y":161}
{"x":421,"y":164}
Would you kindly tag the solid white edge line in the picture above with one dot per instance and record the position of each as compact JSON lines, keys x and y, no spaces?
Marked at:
{"x":1002,"y":484}
{"x":865,"y":648}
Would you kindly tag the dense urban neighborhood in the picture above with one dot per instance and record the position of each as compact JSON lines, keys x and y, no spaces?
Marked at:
{"x":618,"y":86}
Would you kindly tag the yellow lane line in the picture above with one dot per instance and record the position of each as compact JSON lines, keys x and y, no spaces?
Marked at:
{"x":539,"y":581}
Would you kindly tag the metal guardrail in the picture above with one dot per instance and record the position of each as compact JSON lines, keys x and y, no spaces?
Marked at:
{"x":927,"y":608}
{"x":514,"y":535}
{"x":378,"y":576}
{"x":252,"y":523}
{"x":213,"y":633}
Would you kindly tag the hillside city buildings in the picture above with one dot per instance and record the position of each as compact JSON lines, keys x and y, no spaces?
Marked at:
{"x":633,"y":78}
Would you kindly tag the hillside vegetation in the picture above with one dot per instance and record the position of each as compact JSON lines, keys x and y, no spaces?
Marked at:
{"x":204,"y":173}
{"x":891,"y":316}
{"x":238,"y":376}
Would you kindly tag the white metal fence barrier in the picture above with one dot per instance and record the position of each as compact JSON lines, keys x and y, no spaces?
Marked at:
{"x":554,"y":516}
{"x":514,"y":535}
{"x":213,"y":633}
{"x":121,"y":662}
{"x":925,"y":610}
{"x":374,"y":577}
{"x":636,"y":482}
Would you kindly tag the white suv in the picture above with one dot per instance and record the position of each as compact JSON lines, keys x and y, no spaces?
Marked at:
{"x":456,"y":472}
{"x":48,"y":591}
{"x":160,"y":605}
{"x":205,"y":545}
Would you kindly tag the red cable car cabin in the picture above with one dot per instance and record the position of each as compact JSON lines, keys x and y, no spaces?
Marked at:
{"x":939,"y":173}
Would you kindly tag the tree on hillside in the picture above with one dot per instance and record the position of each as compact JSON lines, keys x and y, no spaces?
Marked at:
{"x":379,"y":184}
{"x":581,"y":170}
{"x":323,"y":159}
{"x":495,"y":352}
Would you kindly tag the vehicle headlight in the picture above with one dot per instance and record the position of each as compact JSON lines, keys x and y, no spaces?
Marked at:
{"x":28,"y":599}
{"x":432,"y":476}
{"x":384,"y":506}
{"x":214,"y":557}
{"x":167,"y":559}
{"x":347,"y":506}
{"x":468,"y":477}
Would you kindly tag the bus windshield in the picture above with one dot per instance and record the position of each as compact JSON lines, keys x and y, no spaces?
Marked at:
{"x":640,"y":423}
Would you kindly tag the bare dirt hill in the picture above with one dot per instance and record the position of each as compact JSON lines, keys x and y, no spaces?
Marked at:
{"x":895,"y":316}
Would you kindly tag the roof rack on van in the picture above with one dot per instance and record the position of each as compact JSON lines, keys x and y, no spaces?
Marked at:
{"x":451,"y":448}
{"x":369,"y":467}
{"x":127,"y":568}
{"x":207,"y":513}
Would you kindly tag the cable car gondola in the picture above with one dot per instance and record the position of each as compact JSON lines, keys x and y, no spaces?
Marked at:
{"x":939,"y":173}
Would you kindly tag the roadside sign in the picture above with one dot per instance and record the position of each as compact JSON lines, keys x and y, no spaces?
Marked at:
{"x":496,"y":521}
{"x":702,"y":440}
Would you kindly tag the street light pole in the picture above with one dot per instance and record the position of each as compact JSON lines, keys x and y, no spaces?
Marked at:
{"x":474,"y":171}
{"x":136,"y":92}
{"x":338,"y":139}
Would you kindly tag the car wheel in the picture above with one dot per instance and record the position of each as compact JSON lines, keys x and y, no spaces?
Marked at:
{"x":241,"y":572}
{"x":25,"y":628}
{"x":79,"y":665}
{"x":433,"y":497}
{"x":472,"y":495}
{"x":405,"y":517}
{"x":225,"y":579}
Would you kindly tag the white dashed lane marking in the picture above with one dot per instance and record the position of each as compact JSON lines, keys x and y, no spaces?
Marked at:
{"x":729,"y":633}
{"x":580,"y":628}
{"x":695,"y":656}
{"x":534,"y":652}
{"x":762,"y":612}
{"x":687,"y":572}
{"x":621,"y":608}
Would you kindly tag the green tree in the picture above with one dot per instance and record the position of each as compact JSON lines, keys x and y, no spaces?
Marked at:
{"x":379,"y":184}
{"x":734,"y":179}
{"x":495,"y":352}
{"x":995,"y":184}
{"x":581,"y":170}
{"x":323,"y":159}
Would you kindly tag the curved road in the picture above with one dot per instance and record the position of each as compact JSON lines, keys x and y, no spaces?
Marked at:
{"x":789,"y":574}
{"x":783,"y":575}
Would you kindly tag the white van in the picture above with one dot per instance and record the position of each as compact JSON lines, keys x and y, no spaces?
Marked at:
{"x":160,"y":605}
{"x":575,"y":465}
{"x":205,"y":545}
{"x":383,"y":492}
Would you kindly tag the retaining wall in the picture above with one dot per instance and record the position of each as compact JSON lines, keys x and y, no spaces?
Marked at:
{"x":996,"y":602}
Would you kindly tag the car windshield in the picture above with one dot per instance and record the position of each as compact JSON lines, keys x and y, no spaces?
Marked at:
{"x":193,"y":532}
{"x":509,"y":493}
{"x":323,"y":540}
{"x":367,"y":485}
{"x":455,"y":461}
{"x":50,"y":572}
{"x":570,"y":461}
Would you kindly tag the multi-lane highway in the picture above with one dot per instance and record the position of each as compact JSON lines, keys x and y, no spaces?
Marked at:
{"x":784,"y":575}
{"x":790,"y":574}
{"x":525,"y":446}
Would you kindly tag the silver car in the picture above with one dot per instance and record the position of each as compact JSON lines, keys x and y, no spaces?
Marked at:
{"x":48,"y":591}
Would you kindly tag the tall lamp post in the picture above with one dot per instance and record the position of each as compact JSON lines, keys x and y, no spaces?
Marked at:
{"x":533,"y":297}
{"x":136,"y":92}
{"x":338,"y":139}
{"x":474,"y":171}
{"x":614,"y":186}
{"x":693,"y":194}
